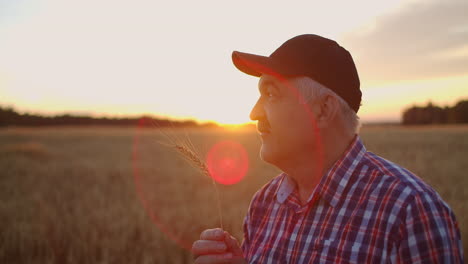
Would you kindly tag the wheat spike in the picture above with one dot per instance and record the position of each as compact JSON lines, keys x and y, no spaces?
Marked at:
{"x":193,"y":158}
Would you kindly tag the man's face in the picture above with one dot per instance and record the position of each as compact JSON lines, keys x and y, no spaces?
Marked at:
{"x":286,"y":126}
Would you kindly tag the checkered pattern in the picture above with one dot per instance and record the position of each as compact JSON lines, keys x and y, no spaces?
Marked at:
{"x":364,"y":210}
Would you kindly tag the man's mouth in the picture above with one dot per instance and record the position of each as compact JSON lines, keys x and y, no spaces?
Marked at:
{"x":263,"y":129}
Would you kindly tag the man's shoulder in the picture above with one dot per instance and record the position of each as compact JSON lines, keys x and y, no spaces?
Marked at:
{"x":387,"y":176}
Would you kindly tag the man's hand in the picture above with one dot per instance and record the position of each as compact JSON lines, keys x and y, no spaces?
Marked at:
{"x":217,"y":246}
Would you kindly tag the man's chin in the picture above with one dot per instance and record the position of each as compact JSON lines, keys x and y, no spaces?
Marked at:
{"x":267,"y":155}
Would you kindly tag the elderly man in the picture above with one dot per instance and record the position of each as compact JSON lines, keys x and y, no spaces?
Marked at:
{"x":335,"y":202}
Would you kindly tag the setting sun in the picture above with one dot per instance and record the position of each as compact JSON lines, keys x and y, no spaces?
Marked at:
{"x":126,"y":132}
{"x":116,"y":58}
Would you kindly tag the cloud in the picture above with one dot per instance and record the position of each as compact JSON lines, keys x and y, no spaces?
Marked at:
{"x":424,"y":39}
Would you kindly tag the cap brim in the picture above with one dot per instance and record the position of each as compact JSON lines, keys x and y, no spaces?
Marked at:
{"x":255,"y":65}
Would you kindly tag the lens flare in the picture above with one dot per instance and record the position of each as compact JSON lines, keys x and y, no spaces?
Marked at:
{"x":227,"y":162}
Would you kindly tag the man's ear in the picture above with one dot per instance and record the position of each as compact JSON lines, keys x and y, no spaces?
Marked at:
{"x":327,"y":109}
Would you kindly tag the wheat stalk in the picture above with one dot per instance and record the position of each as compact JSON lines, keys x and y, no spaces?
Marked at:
{"x":194,"y":159}
{"x":187,"y":150}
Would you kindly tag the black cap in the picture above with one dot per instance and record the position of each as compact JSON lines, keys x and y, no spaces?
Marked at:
{"x":313,"y":56}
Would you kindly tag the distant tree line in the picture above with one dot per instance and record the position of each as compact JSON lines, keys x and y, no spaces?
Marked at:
{"x":9,"y":117}
{"x":432,"y":114}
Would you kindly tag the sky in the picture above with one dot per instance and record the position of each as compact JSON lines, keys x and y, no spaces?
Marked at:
{"x":173,"y":58}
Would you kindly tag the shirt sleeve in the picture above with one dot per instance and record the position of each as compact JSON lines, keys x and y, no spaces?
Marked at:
{"x":246,"y":242}
{"x":429,"y":233}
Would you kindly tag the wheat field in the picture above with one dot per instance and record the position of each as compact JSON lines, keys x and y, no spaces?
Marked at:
{"x":117,"y":195}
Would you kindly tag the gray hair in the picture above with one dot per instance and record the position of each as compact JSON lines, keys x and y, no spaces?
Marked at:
{"x":310,"y":89}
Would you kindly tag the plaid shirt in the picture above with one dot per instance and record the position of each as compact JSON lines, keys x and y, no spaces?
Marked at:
{"x":364,"y":210}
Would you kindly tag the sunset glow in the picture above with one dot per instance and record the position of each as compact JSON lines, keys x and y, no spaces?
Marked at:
{"x":119,"y":58}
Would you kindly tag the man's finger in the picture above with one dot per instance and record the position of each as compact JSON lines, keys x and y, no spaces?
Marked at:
{"x":212,"y":234}
{"x":214,"y":259}
{"x":232,"y":244}
{"x":201,"y":247}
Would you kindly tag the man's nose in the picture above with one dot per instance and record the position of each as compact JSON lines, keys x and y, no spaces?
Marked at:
{"x":257,"y":112}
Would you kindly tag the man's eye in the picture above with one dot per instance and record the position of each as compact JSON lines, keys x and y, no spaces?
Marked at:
{"x":270,"y":96}
{"x":271,"y":93}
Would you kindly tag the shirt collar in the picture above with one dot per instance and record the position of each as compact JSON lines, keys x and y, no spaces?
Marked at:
{"x":285,"y":188}
{"x":334,"y":181}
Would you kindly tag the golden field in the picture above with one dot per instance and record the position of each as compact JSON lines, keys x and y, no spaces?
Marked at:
{"x":117,"y":195}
